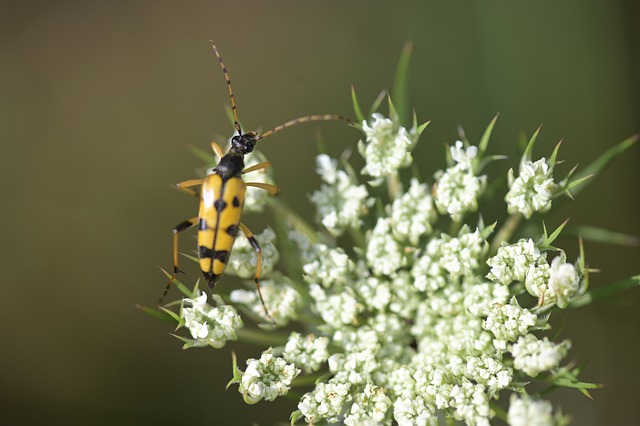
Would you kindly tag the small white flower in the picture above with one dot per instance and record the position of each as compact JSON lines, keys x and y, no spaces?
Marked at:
{"x":534,"y":356}
{"x":305,"y":247}
{"x":244,"y":259}
{"x":457,"y":191}
{"x":330,"y":266}
{"x":306,"y":352}
{"x":209,"y":325}
{"x":255,"y":198}
{"x":563,"y":281}
{"x":508,"y":322}
{"x":428,"y":274}
{"x":384,"y":253}
{"x":354,"y":367}
{"x":266,"y":378}
{"x":402,"y":292}
{"x":462,"y":255}
{"x":325,"y":402}
{"x":280,"y":296}
{"x":462,"y":156}
{"x":340,"y":202}
{"x":512,"y":262}
{"x":537,"y":282}
{"x":480,"y":298}
{"x":470,"y":403}
{"x":413,"y":213}
{"x":527,"y":412}
{"x":532,"y":190}
{"x":387,"y":148}
{"x":370,"y":407}
{"x":335,"y":309}
{"x":488,"y":371}
{"x":375,"y":292}
{"x":412,"y":409}
{"x":358,"y":339}
{"x":393,"y":336}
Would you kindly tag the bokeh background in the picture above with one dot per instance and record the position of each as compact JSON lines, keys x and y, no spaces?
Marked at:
{"x":100,"y":100}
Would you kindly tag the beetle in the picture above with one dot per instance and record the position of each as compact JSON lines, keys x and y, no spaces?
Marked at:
{"x":222,"y":195}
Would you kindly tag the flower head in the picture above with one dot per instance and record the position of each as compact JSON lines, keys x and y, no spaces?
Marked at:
{"x":458,"y":187}
{"x":534,"y":356}
{"x":212,"y":326}
{"x":266,"y":378}
{"x":387,"y":147}
{"x":340,"y":202}
{"x":531,"y":191}
{"x":407,"y":308}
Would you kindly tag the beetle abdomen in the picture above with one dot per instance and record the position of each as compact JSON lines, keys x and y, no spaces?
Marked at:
{"x":221,"y":202}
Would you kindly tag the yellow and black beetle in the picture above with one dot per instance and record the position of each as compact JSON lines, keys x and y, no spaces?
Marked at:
{"x":222,"y":194}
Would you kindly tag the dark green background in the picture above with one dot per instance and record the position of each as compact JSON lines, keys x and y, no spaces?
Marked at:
{"x":99,"y":101}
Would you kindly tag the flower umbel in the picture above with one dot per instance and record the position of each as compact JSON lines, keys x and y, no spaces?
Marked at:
{"x":408,"y":308}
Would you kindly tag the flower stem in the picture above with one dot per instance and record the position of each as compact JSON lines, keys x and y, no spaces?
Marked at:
{"x":505,"y":232}
{"x":258,"y":337}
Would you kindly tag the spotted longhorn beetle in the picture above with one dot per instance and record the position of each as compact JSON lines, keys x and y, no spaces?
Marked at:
{"x":222,"y":194}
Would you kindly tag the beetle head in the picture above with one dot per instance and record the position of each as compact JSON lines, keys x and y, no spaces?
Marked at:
{"x":244,"y":143}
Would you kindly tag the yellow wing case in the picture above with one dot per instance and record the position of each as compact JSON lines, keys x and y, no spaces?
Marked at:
{"x":219,"y":219}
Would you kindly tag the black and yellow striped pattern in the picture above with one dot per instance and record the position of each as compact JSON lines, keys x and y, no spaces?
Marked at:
{"x":219,"y":221}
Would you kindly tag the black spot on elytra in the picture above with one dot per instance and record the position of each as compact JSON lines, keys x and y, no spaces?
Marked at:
{"x":221,"y":255}
{"x":232,"y":230}
{"x":202,"y":224}
{"x":205,"y":252}
{"x":236,"y":202}
{"x":220,"y":205}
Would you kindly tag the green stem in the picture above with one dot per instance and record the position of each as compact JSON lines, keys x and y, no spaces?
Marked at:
{"x":357,"y":237}
{"x":294,"y":220}
{"x":306,"y":380}
{"x":505,"y":232}
{"x":262,"y":338}
{"x":394,"y":186}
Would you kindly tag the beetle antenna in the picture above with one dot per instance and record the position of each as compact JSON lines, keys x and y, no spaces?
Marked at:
{"x":306,"y":119}
{"x":236,"y":124}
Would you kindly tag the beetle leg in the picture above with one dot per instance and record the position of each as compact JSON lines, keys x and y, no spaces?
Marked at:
{"x":254,"y":243}
{"x":182,"y":226}
{"x":271,"y":189}
{"x":186,"y":184}
{"x":258,"y":166}
{"x":216,"y":148}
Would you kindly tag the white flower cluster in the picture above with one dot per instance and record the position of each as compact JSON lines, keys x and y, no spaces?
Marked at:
{"x":557,"y":283}
{"x":325,"y":402}
{"x":413,"y":214}
{"x":418,"y":321}
{"x":255,"y":200}
{"x":528,"y":412}
{"x":280,"y":296}
{"x":532,"y":190}
{"x":340,"y":202}
{"x":266,"y":378}
{"x":387,"y":148}
{"x":508,"y":322}
{"x":534,"y":356}
{"x":211,"y":326}
{"x":513,"y":261}
{"x":244,"y":259}
{"x":458,"y":187}
{"x":308,"y":352}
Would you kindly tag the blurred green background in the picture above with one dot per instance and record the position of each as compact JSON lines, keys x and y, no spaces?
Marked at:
{"x":100,"y":100}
